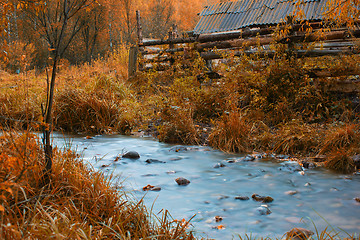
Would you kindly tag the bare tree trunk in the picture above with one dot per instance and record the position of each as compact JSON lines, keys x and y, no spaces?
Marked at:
{"x":48,"y":112}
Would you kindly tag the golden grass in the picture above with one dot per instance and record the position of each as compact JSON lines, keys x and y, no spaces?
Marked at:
{"x":340,"y":160}
{"x":231,"y":133}
{"x":79,"y":203}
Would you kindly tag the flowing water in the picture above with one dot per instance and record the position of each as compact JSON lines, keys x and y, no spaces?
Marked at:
{"x":321,"y":197}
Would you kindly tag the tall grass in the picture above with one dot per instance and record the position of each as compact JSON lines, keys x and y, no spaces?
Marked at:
{"x":79,"y":203}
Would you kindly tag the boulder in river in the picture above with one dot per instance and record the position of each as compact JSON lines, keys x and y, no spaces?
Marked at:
{"x":151,"y":188}
{"x":264,"y":199}
{"x":290,"y":167}
{"x":243,"y":198}
{"x":291,"y":192}
{"x":153,"y":161}
{"x":307,"y":164}
{"x":178,"y":149}
{"x":131,"y":155}
{"x":219,"y":165}
{"x":263,"y":210}
{"x":299,"y":234}
{"x":182,"y":181}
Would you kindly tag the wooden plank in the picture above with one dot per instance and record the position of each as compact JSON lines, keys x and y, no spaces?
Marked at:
{"x":133,"y":52}
{"x":139,"y":27}
{"x":167,"y":41}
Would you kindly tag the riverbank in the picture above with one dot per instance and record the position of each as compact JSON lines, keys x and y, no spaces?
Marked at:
{"x":268,"y":106}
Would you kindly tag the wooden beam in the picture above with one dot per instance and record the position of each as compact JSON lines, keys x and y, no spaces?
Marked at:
{"x":167,"y":41}
{"x":139,"y":28}
{"x":236,"y":43}
{"x":298,"y":53}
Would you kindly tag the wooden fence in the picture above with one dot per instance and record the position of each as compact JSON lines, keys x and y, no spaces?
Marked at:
{"x":336,"y":41}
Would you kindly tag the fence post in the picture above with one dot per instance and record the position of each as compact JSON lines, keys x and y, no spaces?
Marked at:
{"x":133,"y":52}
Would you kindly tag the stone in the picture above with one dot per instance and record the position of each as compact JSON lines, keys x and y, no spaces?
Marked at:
{"x":290,"y":167}
{"x":219,"y":165}
{"x":307,"y":164}
{"x":153,"y":161}
{"x":242,"y":198}
{"x":282,"y":156}
{"x":291,"y":192}
{"x":182,"y":181}
{"x":299,"y":234}
{"x":357,"y":199}
{"x":249,"y":158}
{"x":131,"y":155}
{"x":263,"y":210}
{"x":268,"y":199}
{"x":223,"y":197}
{"x":264,"y":199}
{"x":178,"y":149}
{"x":150,"y":175}
{"x":151,"y":188}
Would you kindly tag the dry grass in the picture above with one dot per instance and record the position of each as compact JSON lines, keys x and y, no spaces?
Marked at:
{"x":296,"y":137}
{"x":231,"y":133}
{"x":342,"y":136}
{"x":77,"y":204}
{"x":340,"y":160}
{"x":105,"y":106}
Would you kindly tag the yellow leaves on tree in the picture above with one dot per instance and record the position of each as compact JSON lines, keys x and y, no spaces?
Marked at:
{"x":344,"y":11}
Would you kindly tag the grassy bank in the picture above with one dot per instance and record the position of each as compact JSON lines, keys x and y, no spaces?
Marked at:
{"x":79,"y":203}
{"x":269,"y":105}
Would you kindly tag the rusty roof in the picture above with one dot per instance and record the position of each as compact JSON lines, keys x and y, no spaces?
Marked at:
{"x":229,"y":16}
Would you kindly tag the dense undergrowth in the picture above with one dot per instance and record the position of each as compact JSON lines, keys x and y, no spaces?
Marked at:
{"x":79,"y":203}
{"x":259,"y":104}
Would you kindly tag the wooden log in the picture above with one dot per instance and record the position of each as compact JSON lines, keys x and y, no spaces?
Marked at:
{"x":298,"y":53}
{"x":265,"y":40}
{"x":324,"y":36}
{"x":173,"y":50}
{"x":223,"y":36}
{"x":238,"y":43}
{"x":139,"y":28}
{"x":167,"y":41}
{"x":133,"y":51}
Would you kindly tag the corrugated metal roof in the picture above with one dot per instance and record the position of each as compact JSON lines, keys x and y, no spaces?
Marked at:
{"x":229,"y":16}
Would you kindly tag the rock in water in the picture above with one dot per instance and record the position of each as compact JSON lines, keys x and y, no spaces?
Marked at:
{"x":243,"y":198}
{"x":219,"y":165}
{"x":182,"y":181}
{"x":153,"y":161}
{"x":299,"y":234}
{"x":263,"y":210}
{"x":131,"y":155}
{"x":264,"y":199}
{"x":151,"y":188}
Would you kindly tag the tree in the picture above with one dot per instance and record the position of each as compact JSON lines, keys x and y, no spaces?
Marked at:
{"x":57,"y":21}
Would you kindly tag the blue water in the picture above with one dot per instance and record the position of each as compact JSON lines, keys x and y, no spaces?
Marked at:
{"x":323,"y":198}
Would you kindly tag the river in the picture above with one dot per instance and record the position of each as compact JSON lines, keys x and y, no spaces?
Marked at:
{"x":301,"y":199}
